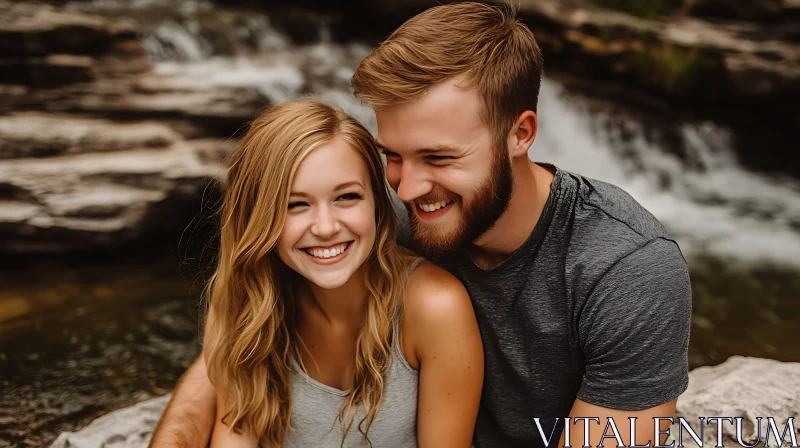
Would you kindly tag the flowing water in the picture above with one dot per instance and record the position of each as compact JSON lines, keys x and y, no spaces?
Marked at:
{"x":84,"y":336}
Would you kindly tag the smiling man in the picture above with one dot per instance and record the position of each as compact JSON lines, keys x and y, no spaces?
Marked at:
{"x":582,"y":298}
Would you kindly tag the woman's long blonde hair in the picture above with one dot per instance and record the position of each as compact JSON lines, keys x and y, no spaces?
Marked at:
{"x":253,"y":337}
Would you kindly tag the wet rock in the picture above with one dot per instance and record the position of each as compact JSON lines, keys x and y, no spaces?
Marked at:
{"x":184,"y":94}
{"x":77,"y":183}
{"x":106,"y":199}
{"x":751,"y":388}
{"x":33,"y":134}
{"x":98,"y":148}
{"x":760,"y":10}
{"x":682,"y":57}
{"x":35,"y":29}
{"x":127,"y":428}
{"x":48,"y":47}
{"x":200,"y":110}
{"x":49,"y":71}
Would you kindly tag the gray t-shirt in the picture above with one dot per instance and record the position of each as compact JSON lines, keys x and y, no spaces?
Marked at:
{"x":595,"y":305}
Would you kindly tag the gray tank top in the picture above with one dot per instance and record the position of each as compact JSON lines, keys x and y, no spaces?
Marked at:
{"x":315,"y":407}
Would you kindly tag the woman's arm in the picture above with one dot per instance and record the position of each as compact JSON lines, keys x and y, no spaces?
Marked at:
{"x":440,"y":327}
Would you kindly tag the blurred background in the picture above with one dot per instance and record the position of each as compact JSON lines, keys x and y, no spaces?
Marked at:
{"x":115,"y":116}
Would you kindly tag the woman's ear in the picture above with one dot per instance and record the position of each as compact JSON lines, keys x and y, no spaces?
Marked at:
{"x":522,"y":134}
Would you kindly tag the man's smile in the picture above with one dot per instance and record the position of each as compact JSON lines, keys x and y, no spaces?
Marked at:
{"x":433,"y":210}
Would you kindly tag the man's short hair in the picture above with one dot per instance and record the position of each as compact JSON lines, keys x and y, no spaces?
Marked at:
{"x":497,"y":54}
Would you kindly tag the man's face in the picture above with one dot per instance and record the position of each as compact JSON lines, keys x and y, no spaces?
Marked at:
{"x":442,"y":164}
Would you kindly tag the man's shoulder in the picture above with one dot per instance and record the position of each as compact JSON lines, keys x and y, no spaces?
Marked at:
{"x":603,"y":214}
{"x":604,"y":205}
{"x":607,"y":225}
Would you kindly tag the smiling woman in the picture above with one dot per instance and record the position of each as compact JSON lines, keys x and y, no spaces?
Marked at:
{"x":319,"y":325}
{"x":330,"y":225}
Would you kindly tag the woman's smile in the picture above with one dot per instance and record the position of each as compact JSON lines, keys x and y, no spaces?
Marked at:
{"x":326,"y":255}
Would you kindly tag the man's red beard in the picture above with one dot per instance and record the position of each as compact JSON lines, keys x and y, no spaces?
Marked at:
{"x":478,"y":213}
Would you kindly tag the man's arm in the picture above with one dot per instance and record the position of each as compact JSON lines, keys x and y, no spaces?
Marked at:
{"x":645,"y":425}
{"x":634,"y":331}
{"x":189,"y":418}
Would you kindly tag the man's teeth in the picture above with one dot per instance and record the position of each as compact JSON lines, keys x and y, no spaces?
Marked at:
{"x":327,"y":253}
{"x":433,"y":207}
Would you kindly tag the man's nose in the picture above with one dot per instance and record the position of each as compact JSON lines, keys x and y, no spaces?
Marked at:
{"x":413,"y":182}
{"x":326,"y":223}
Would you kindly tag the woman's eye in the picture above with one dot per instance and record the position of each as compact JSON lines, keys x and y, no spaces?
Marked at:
{"x":350,"y":197}
{"x":296,"y":204}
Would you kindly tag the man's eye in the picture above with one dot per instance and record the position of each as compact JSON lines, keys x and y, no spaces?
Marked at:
{"x":439,"y":158}
{"x":350,"y":197}
{"x":391,"y":155}
{"x":296,"y":204}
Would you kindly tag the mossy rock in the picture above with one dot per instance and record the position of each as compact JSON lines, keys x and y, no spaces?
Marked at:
{"x":675,"y":69}
{"x":645,"y":9}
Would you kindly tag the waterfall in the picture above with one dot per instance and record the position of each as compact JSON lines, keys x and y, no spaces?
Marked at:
{"x":685,"y":172}
{"x":707,"y":199}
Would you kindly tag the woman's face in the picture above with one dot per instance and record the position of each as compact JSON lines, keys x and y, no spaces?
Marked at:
{"x":330,"y":223}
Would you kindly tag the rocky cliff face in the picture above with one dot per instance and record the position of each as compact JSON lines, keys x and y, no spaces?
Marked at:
{"x":729,"y":62}
{"x":99,"y":147}
{"x":96,"y":148}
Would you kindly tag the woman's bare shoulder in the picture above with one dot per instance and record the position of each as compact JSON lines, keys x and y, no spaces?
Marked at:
{"x":433,"y":296}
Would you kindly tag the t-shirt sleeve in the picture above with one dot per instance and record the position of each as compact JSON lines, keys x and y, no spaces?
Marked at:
{"x":635,"y":330}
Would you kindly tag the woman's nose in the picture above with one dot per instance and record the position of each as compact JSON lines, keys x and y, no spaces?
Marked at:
{"x":326,"y":223}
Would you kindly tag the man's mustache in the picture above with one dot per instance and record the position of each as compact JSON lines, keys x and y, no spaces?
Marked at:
{"x":434,"y":197}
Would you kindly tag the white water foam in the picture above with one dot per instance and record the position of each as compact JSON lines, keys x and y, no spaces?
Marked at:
{"x":715,"y":207}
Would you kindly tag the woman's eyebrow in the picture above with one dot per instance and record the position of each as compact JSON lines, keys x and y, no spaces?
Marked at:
{"x":341,"y":186}
{"x":344,"y":185}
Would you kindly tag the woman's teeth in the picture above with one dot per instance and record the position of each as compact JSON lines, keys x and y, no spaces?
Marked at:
{"x":327,"y":253}
{"x":433,"y":207}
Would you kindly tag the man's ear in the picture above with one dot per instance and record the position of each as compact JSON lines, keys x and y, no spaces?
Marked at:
{"x":522,"y":134}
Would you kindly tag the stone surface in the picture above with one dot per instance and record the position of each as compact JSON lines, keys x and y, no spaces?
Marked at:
{"x":746,"y":387}
{"x":98,"y":148}
{"x":92,"y":200}
{"x":34,"y":134}
{"x":760,"y":10}
{"x":27,"y":29}
{"x":127,"y":428}
{"x":742,"y":387}
{"x":47,"y":46}
{"x":52,"y":70}
{"x":683,"y":56}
